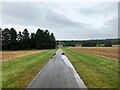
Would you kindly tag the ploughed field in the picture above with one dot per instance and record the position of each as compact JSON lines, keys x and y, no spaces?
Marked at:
{"x":108,"y":52}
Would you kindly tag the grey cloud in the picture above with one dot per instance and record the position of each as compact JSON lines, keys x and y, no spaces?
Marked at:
{"x":60,"y":20}
{"x":101,"y":8}
{"x":19,"y":13}
{"x":29,"y":14}
{"x":110,"y":29}
{"x":43,"y":16}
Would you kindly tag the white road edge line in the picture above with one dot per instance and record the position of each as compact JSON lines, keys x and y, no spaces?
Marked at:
{"x":77,"y":77}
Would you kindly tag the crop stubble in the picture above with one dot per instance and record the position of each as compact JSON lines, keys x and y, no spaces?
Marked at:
{"x":11,"y":55}
{"x":108,"y":52}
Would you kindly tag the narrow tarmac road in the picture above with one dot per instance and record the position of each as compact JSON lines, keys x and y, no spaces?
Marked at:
{"x":57,"y":73}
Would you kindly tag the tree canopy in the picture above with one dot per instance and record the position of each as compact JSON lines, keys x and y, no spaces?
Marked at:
{"x":42,"y":39}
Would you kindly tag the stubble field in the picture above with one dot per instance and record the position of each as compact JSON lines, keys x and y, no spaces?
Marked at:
{"x":108,"y":52}
{"x":11,"y":55}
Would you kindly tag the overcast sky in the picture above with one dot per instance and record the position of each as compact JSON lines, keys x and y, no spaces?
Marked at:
{"x":68,"y":20}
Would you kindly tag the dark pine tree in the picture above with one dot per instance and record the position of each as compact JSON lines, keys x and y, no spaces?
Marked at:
{"x":26,"y":39}
{"x":6,"y":39}
{"x":0,"y":38}
{"x":39,"y":39}
{"x":19,"y":36}
{"x":46,"y":39}
{"x":20,"y":40}
{"x":13,"y":41}
{"x":32,"y":41}
{"x":53,"y":44}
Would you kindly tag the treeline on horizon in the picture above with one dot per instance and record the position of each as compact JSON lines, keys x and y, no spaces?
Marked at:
{"x":91,"y":43}
{"x":11,"y":40}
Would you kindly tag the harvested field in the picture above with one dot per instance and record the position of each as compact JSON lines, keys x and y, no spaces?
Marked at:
{"x":11,"y":55}
{"x":109,"y":52}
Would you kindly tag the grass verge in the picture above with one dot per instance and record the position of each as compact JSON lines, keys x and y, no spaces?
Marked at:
{"x":96,"y":72}
{"x":19,"y":72}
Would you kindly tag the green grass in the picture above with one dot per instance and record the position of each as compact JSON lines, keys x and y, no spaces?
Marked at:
{"x":0,"y":74}
{"x":19,"y":72}
{"x":96,"y":72}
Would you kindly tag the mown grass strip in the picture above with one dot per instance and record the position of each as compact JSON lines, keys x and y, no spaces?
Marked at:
{"x":96,"y":72}
{"x":19,"y":72}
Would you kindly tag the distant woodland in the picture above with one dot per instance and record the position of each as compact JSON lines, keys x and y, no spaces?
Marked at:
{"x":11,"y":40}
{"x":90,"y":43}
